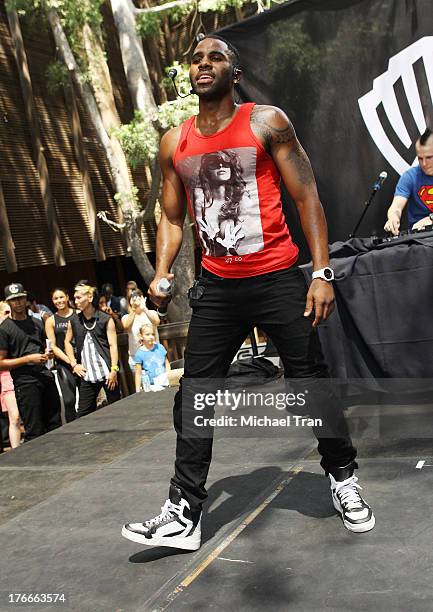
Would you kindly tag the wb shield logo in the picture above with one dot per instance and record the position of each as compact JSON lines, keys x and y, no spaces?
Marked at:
{"x":401,"y":66}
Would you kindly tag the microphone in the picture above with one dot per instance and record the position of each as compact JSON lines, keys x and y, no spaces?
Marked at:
{"x":164,"y":286}
{"x":172,"y":73}
{"x":380,"y":181}
{"x":377,"y":185}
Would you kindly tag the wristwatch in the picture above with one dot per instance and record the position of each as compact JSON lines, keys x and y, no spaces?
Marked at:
{"x":115,"y":368}
{"x":326,"y":274}
{"x":431,"y":217}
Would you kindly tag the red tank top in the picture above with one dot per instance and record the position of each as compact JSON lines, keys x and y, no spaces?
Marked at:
{"x":233,"y":192}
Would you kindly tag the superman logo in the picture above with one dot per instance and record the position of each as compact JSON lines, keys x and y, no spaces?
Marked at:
{"x":425,"y":193}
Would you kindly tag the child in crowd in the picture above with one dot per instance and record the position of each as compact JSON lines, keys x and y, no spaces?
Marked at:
{"x":138,"y":316}
{"x":151,"y":363}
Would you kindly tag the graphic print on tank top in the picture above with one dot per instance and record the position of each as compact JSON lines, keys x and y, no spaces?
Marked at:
{"x":222,"y":190}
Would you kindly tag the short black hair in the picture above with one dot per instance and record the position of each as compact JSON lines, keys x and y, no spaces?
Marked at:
{"x":235,"y":57}
{"x":424,"y":137}
{"x":106,"y":286}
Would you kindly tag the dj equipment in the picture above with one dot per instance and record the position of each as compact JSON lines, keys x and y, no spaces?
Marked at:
{"x":376,"y":240}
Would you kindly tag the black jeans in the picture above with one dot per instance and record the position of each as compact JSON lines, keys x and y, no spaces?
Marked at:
{"x":68,"y":386}
{"x":39,"y":405}
{"x":88,"y":394}
{"x":224,"y":312}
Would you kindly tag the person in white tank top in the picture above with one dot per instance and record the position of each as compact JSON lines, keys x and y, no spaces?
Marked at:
{"x":138,"y":316}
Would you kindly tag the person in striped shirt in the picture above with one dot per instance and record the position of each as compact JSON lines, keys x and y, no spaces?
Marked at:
{"x":95,"y":360}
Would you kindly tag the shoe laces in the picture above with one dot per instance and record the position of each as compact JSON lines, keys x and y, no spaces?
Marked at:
{"x":347,"y":492}
{"x":167,"y":512}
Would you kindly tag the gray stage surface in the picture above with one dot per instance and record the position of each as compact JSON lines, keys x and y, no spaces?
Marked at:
{"x":271,"y":537}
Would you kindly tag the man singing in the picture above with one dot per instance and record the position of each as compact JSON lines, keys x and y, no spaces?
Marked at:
{"x":226,"y":165}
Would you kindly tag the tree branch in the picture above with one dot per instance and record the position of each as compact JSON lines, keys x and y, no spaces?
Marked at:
{"x":162,"y":7}
{"x":114,"y":226}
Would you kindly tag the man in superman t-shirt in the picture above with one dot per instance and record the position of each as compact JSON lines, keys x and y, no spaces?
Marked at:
{"x":416,"y":187}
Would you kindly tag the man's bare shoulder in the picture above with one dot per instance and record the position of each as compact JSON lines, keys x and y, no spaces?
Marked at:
{"x":169,"y":142}
{"x":266,"y":112}
{"x":272,"y":126}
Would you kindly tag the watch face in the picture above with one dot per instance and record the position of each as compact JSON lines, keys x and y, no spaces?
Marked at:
{"x":327,"y":272}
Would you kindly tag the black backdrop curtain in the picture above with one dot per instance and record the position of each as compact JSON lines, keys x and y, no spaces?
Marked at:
{"x":316,"y":59}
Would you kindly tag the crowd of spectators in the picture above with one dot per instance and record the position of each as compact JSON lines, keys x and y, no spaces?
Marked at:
{"x":68,"y":353}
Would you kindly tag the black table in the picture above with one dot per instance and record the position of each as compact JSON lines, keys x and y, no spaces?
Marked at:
{"x":383,"y":326}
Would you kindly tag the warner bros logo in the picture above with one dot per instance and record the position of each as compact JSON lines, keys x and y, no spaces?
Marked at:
{"x":400,"y":66}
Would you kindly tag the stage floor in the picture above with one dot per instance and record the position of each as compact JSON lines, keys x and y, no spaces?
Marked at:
{"x":271,"y":537}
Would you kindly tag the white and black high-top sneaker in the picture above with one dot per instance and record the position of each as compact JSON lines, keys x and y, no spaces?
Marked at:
{"x":356,"y":513}
{"x":174,"y":527}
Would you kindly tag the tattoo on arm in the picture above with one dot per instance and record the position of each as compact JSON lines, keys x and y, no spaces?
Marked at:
{"x":272,"y":136}
{"x":269,"y":134}
{"x":299,"y":160}
{"x":285,"y":135}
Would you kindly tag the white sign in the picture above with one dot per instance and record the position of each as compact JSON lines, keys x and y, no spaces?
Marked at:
{"x":400,"y":66}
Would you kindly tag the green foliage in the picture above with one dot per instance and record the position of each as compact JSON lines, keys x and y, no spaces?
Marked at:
{"x":175,"y":112}
{"x":22,"y":7}
{"x":74,"y":14}
{"x":177,"y":13}
{"x":57,"y":76}
{"x":148,"y":24}
{"x":34,"y":22}
{"x":139,"y":139}
{"x":219,"y":6}
{"x":77,"y":14}
{"x":127,"y":200}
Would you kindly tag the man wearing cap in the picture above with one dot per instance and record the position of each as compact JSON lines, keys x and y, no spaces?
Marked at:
{"x":23,"y":351}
